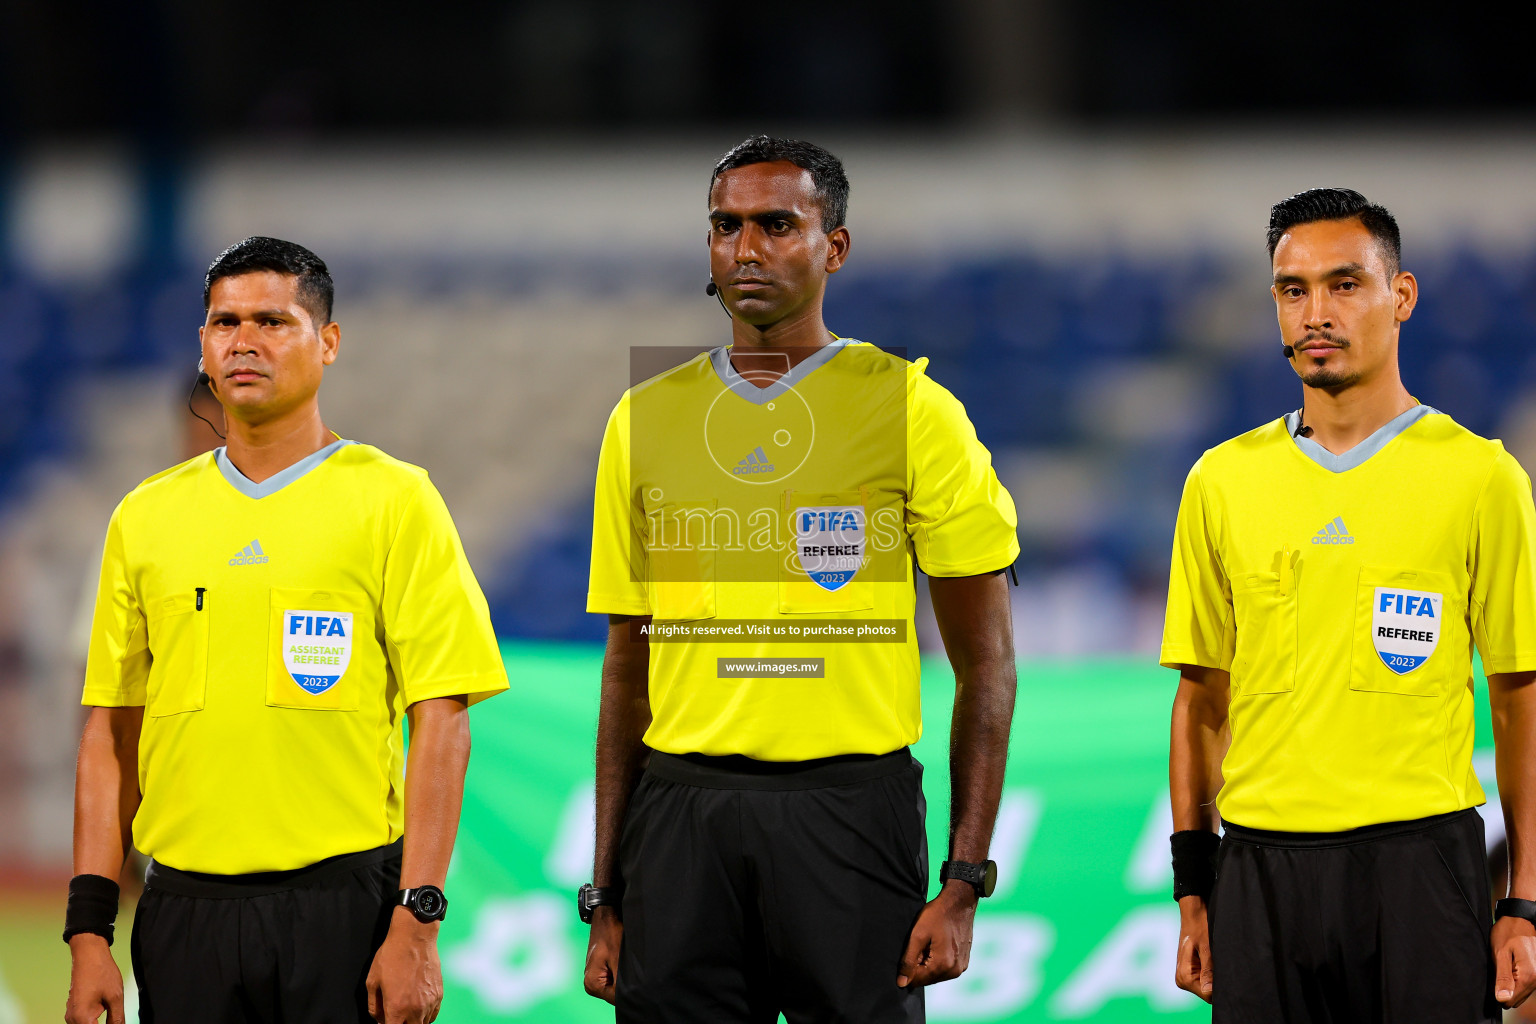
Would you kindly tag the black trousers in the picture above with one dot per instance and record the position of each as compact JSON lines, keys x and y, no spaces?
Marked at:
{"x":1386,"y":924}
{"x":278,"y":947}
{"x":756,"y":889}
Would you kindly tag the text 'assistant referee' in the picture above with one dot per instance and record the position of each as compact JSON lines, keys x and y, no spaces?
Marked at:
{"x":317,"y":647}
{"x":1405,"y":627}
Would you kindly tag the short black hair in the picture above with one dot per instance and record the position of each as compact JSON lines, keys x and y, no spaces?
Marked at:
{"x":827,"y":175}
{"x":257,"y":253}
{"x":1317,"y":204}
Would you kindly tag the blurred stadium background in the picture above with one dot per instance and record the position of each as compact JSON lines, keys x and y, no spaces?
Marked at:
{"x":1060,"y":204}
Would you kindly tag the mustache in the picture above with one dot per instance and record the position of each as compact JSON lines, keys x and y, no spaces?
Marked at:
{"x":1327,"y":336}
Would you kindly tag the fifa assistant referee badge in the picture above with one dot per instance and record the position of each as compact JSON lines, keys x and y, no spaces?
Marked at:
{"x":589,"y":897}
{"x":981,"y":877}
{"x":427,"y":902}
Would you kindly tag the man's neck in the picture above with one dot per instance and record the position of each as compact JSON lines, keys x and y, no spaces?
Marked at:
{"x":1341,"y":419}
{"x":262,"y":450}
{"x":764,"y":354}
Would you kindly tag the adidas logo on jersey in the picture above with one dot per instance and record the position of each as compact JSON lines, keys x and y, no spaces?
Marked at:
{"x":251,"y":554}
{"x":1334,"y":533}
{"x":755,"y":462}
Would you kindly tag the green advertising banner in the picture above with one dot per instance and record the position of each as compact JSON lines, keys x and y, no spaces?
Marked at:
{"x":1081,"y":928}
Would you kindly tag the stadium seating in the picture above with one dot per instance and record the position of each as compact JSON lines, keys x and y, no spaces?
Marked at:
{"x":1094,"y":383}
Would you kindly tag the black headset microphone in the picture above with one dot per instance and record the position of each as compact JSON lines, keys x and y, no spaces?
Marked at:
{"x":714,"y":289}
{"x":1302,"y":430}
{"x":203,"y":380}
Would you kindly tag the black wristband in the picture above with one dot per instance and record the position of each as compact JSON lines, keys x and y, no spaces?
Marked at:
{"x":92,"y":907}
{"x":1194,"y":862}
{"x":1512,"y":907}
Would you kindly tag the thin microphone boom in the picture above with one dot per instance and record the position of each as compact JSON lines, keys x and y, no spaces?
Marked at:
{"x":714,"y":289}
{"x":203,"y":380}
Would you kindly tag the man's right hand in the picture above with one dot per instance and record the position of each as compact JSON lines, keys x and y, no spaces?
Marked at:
{"x":603,"y":953}
{"x":95,"y":983}
{"x":1193,"y":973}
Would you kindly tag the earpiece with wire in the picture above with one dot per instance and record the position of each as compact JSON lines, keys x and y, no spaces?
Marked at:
{"x":714,"y":289}
{"x":1302,"y":430}
{"x":203,"y":380}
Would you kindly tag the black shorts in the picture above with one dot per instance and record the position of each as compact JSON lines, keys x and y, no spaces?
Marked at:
{"x":754,"y":889}
{"x":279,"y":946}
{"x":1386,"y":924}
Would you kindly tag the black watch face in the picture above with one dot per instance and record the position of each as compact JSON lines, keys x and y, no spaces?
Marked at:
{"x":584,"y":903}
{"x":430,"y":902}
{"x":988,"y":877}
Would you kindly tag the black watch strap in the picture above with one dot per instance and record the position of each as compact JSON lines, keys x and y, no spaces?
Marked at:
{"x":426,"y":902}
{"x":981,"y":877}
{"x":589,"y":897}
{"x":1511,"y":907}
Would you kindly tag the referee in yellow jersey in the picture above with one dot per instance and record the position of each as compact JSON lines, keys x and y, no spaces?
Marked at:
{"x":268,"y":616}
{"x":1332,"y":572}
{"x":760,"y":820}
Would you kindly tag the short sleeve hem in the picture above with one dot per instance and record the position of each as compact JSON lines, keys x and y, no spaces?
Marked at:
{"x":610,"y":604}
{"x":975,"y":566}
{"x":477,"y":687}
{"x":1509,"y":663}
{"x":95,"y":697}
{"x":1178,"y":657}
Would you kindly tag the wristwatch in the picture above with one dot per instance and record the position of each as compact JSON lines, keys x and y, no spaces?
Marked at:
{"x":981,"y":877}
{"x":427,"y":902}
{"x":1511,"y":907}
{"x":589,"y":897}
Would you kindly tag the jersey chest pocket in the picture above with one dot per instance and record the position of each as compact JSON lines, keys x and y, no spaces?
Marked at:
{"x":322,"y":649}
{"x":830,"y":533}
{"x":1264,"y":661}
{"x":680,"y":555}
{"x":1400,"y":615}
{"x":178,"y":648}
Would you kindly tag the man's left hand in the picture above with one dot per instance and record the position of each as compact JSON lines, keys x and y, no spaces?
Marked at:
{"x":940,"y":946}
{"x":1514,"y":954}
{"x":405,"y":983}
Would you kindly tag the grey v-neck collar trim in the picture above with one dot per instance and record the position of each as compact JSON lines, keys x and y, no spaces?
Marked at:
{"x":1364,"y":450}
{"x":721,"y":360}
{"x":277,"y":481}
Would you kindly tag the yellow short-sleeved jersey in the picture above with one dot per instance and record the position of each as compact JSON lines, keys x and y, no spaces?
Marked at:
{"x":801,"y":503}
{"x":274,"y":634}
{"x":1344,"y":594}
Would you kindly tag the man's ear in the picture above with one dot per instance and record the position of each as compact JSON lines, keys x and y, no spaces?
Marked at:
{"x":839,"y":242}
{"x":330,"y":342}
{"x":1405,"y":291}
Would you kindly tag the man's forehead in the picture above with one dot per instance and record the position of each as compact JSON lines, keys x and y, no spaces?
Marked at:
{"x":259,"y":287}
{"x":776,"y":185}
{"x":1324,"y":245}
